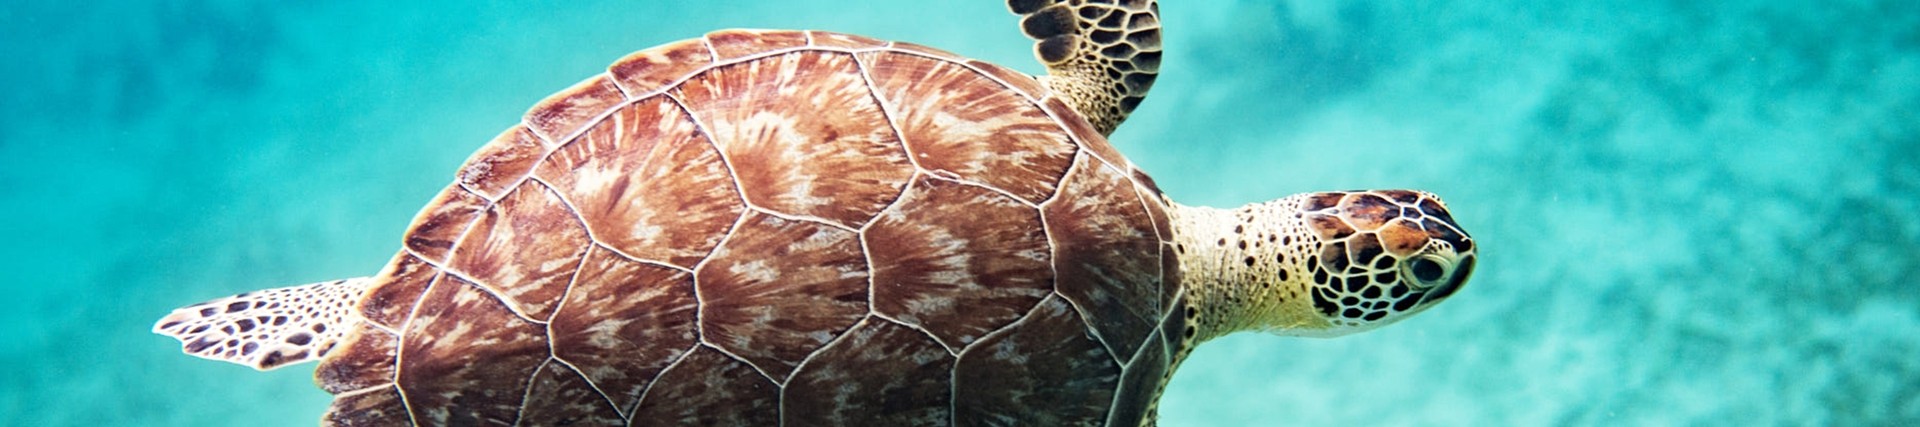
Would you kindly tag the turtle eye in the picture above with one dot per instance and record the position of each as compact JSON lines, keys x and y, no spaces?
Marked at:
{"x":1426,"y":271}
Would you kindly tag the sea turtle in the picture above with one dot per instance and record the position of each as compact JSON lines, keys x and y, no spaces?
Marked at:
{"x":812,"y":228}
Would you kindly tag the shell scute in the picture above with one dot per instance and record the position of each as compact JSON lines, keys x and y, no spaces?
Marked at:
{"x":1156,"y":205}
{"x":391,"y":296}
{"x":736,"y":43}
{"x":1045,"y":371}
{"x":525,"y":249}
{"x":559,"y":396}
{"x":829,"y":39}
{"x":958,"y":260}
{"x":916,"y":390}
{"x":923,"y":50}
{"x":955,"y":120}
{"x":709,"y":388}
{"x":465,"y":358}
{"x":439,"y":225}
{"x":644,"y":72}
{"x":779,"y":289}
{"x":366,"y":360}
{"x":500,"y":165}
{"x":1140,"y":382}
{"x":803,"y":135}
{"x":559,"y":116}
{"x":647,"y":183}
{"x":1083,"y":133}
{"x":1106,"y":254}
{"x":1015,"y":79}
{"x":1169,"y":281}
{"x":623,"y":322}
{"x":378,"y":408}
{"x":1173,"y":328}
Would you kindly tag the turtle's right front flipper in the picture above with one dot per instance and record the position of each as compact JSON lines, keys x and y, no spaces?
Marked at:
{"x":1101,"y":55}
{"x":269,"y":328}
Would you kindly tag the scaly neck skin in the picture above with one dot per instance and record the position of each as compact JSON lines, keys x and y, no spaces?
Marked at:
{"x":1243,"y":269}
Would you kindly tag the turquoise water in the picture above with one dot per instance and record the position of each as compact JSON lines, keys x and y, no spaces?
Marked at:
{"x":1690,"y":213}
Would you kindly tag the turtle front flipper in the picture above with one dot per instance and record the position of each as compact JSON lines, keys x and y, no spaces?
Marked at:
{"x":1101,"y":55}
{"x":269,"y":328}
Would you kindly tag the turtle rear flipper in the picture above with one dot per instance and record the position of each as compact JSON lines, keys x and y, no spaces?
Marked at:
{"x":270,"y":328}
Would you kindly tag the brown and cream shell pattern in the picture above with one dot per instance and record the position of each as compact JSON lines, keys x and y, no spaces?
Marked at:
{"x":777,"y":227}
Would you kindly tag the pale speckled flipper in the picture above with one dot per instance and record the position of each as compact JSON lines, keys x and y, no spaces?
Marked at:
{"x":1101,"y":55}
{"x":268,"y":328}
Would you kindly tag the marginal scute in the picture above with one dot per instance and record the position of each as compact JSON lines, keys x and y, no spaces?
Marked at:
{"x":1170,"y":277}
{"x":559,"y":116}
{"x":364,"y":360}
{"x":780,"y":289}
{"x":651,"y":70}
{"x":1021,"y":82}
{"x":1106,"y":254}
{"x":647,"y":183}
{"x":1083,"y":133}
{"x":840,"y":385}
{"x":558,"y":396}
{"x":844,"y":41}
{"x":465,"y":359}
{"x":374,"y":408}
{"x":1045,"y":371}
{"x":500,"y":165}
{"x":623,"y":322}
{"x":1150,"y":195}
{"x":439,"y":225}
{"x":736,"y":43}
{"x":923,"y":50}
{"x":1173,"y":329}
{"x":958,"y":260}
{"x":391,"y":296}
{"x":708,"y":388}
{"x":957,"y":122}
{"x":819,"y":147}
{"x":1140,"y":382}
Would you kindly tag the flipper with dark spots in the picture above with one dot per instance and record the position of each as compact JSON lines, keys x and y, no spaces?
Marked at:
{"x":1101,"y":55}
{"x":269,"y":328}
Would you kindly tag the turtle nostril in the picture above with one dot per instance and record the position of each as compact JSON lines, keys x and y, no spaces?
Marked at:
{"x":1427,"y":270}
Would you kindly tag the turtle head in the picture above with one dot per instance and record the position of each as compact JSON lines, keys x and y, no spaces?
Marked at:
{"x":1319,"y":264}
{"x":1373,"y":258}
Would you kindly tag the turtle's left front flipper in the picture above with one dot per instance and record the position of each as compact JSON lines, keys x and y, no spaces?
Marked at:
{"x":269,"y":328}
{"x":1101,"y":55}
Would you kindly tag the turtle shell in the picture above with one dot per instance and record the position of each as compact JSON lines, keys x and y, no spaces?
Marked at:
{"x":767,"y":227}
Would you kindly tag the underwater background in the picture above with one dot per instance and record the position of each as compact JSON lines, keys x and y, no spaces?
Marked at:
{"x":1689,"y":213}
